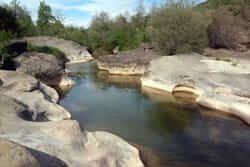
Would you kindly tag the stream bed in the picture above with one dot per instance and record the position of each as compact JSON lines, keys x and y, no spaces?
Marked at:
{"x":177,"y":133}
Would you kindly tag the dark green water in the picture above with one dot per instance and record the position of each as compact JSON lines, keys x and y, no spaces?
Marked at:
{"x":194,"y":137}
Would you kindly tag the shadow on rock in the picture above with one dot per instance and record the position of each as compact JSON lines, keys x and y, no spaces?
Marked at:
{"x":47,"y":160}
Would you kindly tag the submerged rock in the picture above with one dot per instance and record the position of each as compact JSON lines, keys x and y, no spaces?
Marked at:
{"x":74,"y":52}
{"x":215,"y":84}
{"x":126,"y":63}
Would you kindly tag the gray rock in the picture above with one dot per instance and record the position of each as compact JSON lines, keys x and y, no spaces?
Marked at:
{"x":219,"y":85}
{"x":40,"y":65}
{"x":47,"y":68}
{"x":133,"y":62}
{"x":73,"y":51}
{"x":39,"y":100}
{"x":49,"y":93}
{"x":14,"y":155}
{"x":59,"y":142}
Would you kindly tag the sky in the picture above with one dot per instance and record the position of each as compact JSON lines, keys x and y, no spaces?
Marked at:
{"x":80,"y":12}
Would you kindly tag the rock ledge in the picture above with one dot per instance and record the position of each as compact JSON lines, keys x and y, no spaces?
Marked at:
{"x":215,"y":84}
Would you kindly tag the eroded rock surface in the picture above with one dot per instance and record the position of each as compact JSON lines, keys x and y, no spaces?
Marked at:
{"x":45,"y":67}
{"x":217,"y":84}
{"x":74,"y":52}
{"x":58,"y":141}
{"x":126,"y":63}
{"x":37,"y":97}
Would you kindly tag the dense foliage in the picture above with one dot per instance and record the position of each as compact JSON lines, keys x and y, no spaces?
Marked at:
{"x":175,"y":27}
{"x":179,"y":28}
{"x":106,"y":34}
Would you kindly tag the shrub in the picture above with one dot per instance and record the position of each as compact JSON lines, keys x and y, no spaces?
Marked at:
{"x":228,"y":30}
{"x":48,"y":50}
{"x":177,"y":27}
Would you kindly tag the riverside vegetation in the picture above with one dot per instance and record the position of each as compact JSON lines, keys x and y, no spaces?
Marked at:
{"x":216,"y":30}
{"x":190,"y":27}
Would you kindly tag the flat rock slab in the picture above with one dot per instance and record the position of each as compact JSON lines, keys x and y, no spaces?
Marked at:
{"x":217,"y":84}
{"x":74,"y":52}
{"x":133,"y":62}
{"x":57,"y":141}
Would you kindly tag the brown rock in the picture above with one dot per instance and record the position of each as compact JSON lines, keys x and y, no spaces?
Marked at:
{"x":133,"y":62}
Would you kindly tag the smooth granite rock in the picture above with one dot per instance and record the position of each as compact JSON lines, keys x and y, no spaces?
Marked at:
{"x":39,"y":100}
{"x":56,"y":142}
{"x":74,"y":52}
{"x":15,"y":155}
{"x":47,"y":68}
{"x":216,"y":84}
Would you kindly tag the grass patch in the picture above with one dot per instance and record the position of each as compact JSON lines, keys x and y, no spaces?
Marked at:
{"x":223,"y":59}
{"x":234,"y":64}
{"x":226,"y":60}
{"x":48,"y":50}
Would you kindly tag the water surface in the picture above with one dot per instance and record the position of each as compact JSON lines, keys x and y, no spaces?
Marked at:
{"x":187,"y":135}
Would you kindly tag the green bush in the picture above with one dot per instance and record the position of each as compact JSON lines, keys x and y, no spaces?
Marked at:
{"x":177,"y":27}
{"x":105,"y":34}
{"x":48,"y":50}
{"x":214,"y":4}
{"x":75,"y":34}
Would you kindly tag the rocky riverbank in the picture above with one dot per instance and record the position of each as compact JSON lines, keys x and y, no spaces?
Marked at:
{"x":41,"y":132}
{"x":47,"y":68}
{"x":219,"y":84}
{"x":133,"y":62}
{"x":74,"y":52}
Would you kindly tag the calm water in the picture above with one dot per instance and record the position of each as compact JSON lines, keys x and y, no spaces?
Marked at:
{"x":194,"y":137}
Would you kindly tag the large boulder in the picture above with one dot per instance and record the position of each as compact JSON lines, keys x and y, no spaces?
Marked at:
{"x":40,"y":65}
{"x":55,"y":142}
{"x":39,"y":99}
{"x":15,"y":155}
{"x":219,"y":84}
{"x":45,"y":67}
{"x":73,"y":51}
{"x":230,"y":30}
{"x":133,"y":62}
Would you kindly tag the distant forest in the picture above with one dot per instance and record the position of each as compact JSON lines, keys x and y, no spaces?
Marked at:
{"x":173,"y":27}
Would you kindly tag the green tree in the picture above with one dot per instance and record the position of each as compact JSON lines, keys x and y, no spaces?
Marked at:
{"x":45,"y":16}
{"x":177,"y":27}
{"x":8,"y":21}
{"x":4,"y":38}
{"x":27,"y":27}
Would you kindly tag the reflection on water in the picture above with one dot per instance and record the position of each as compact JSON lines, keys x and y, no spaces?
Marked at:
{"x":178,"y":133}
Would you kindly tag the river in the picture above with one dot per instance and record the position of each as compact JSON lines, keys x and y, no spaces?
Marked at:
{"x":175,"y":132}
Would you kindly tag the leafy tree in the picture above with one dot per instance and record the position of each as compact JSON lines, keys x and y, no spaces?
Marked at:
{"x":214,"y":4}
{"x":4,"y":38}
{"x":45,"y":16}
{"x":8,"y":21}
{"x":79,"y":35}
{"x":23,"y":18}
{"x":177,"y":27}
